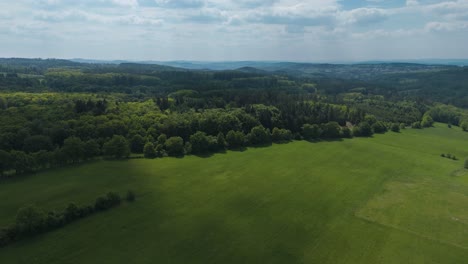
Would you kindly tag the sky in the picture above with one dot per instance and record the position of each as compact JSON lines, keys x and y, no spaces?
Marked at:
{"x":234,"y":30}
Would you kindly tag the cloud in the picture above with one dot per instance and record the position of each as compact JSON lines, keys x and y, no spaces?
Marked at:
{"x":252,"y":29}
{"x":180,"y":3}
{"x":412,"y":2}
{"x":446,"y":26}
{"x":364,"y":16}
{"x":131,"y":3}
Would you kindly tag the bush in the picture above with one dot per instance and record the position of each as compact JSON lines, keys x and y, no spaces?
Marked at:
{"x":466,"y":164}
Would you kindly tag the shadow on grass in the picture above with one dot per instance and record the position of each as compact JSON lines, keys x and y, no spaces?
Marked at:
{"x":324,"y":140}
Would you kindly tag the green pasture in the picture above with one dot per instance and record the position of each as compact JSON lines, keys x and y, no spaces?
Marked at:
{"x":386,"y":199}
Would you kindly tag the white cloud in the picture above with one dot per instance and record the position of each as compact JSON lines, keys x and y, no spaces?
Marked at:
{"x":252,"y":29}
{"x":412,"y":2}
{"x":131,"y":3}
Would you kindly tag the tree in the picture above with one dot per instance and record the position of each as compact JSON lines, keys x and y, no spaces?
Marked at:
{"x":72,"y":212}
{"x":235,"y":139}
{"x":200,"y":143}
{"x":221,"y":141}
{"x":362,"y":130}
{"x":30,"y":220}
{"x":346,"y":132}
{"x":36,"y":143}
{"x":466,"y":164}
{"x":22,"y":162}
{"x":281,"y":135}
{"x":427,"y":121}
{"x":395,"y":127}
{"x":6,"y":163}
{"x":416,"y":125}
{"x":149,"y":150}
{"x":162,"y":139}
{"x":174,"y":146}
{"x":331,"y":130}
{"x":91,"y":149}
{"x":117,"y":147}
{"x":379,"y":127}
{"x":259,"y":135}
{"x":73,"y":149}
{"x":137,"y":143}
{"x":311,"y":132}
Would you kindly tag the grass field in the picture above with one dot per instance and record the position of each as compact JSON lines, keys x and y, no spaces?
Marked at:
{"x":386,"y":199}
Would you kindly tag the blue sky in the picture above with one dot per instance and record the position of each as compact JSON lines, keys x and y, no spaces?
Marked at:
{"x":215,"y":30}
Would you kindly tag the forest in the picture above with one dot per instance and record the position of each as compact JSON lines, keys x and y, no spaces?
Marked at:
{"x":59,"y":112}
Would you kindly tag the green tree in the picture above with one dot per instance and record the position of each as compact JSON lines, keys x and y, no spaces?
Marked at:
{"x":379,"y":127}
{"x":6,"y":162}
{"x":416,"y":125}
{"x":91,"y":149}
{"x":331,"y":130}
{"x":73,"y":149}
{"x":221,"y":141}
{"x":137,"y":142}
{"x":117,"y":147}
{"x":427,"y":121}
{"x":149,"y":151}
{"x":311,"y":132}
{"x":22,"y":162}
{"x":36,"y":143}
{"x":30,"y":220}
{"x":161,"y":139}
{"x":395,"y":127}
{"x":281,"y":135}
{"x":235,"y":139}
{"x":174,"y":146}
{"x":346,"y":132}
{"x":362,"y":130}
{"x":259,"y":135}
{"x":200,"y":142}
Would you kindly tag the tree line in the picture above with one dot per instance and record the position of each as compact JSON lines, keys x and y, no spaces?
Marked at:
{"x":31,"y":221}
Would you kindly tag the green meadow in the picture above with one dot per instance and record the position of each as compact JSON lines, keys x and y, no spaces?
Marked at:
{"x":387,"y":199}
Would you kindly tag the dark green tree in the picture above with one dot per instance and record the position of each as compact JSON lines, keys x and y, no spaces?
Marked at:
{"x":174,"y":146}
{"x":149,"y":150}
{"x":311,"y":132}
{"x":235,"y":139}
{"x":6,"y":162}
{"x":73,"y":149}
{"x":30,"y":220}
{"x":200,"y":143}
{"x":117,"y":147}
{"x":137,"y":142}
{"x":259,"y":136}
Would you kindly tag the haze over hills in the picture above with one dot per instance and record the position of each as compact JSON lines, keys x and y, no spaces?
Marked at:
{"x":231,"y":65}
